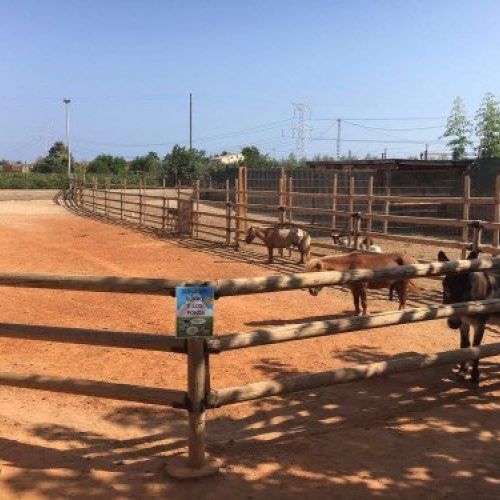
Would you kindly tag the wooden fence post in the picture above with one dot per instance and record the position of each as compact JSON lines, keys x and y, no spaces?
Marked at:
{"x":106,"y":197}
{"x":140,"y":203}
{"x":289,"y":203}
{"x":237,"y":216}
{"x":164,"y":213}
{"x":197,"y":396}
{"x":369,"y":208}
{"x":198,"y":379}
{"x":356,"y":222}
{"x":197,"y":204}
{"x":350,"y":201}
{"x":496,"y":233}
{"x":334,"y":201}
{"x":94,"y":187}
{"x":281,"y":202}
{"x":466,"y":210}
{"x":228,"y":214}
{"x":387,"y":205}
{"x":242,"y":199}
{"x":121,"y":204}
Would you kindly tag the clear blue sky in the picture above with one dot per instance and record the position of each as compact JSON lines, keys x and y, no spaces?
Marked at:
{"x":129,"y":66}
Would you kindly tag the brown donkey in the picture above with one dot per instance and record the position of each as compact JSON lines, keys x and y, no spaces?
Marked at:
{"x":358,"y":260}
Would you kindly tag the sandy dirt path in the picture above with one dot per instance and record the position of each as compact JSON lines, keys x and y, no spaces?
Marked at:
{"x":413,"y":435}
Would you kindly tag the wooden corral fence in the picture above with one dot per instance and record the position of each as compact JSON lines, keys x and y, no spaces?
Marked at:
{"x":199,"y":397}
{"x":225,"y":213}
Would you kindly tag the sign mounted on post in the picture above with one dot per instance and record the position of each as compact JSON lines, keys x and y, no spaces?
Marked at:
{"x":195,"y":311}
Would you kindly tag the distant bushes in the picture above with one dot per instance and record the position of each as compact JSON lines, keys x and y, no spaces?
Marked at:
{"x":18,"y":180}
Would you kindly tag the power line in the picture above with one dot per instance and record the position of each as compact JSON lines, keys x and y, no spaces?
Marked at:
{"x":381,"y":141}
{"x":416,"y":118}
{"x":411,"y":129}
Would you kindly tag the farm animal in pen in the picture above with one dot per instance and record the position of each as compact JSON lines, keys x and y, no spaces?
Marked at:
{"x":367,"y":244}
{"x":465,"y":287}
{"x":276,"y":237}
{"x":358,"y":260}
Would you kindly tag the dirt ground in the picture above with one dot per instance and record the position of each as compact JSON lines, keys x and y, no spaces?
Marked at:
{"x":413,"y":435}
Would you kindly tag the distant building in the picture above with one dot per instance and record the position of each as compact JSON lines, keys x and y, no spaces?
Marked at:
{"x":15,"y":167}
{"x":228,"y":158}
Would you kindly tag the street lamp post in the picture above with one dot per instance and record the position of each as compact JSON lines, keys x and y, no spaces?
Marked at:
{"x":68,"y":142}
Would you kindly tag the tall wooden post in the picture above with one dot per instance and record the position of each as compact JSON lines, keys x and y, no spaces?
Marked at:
{"x":369,"y":207}
{"x":237,"y":216}
{"x":387,"y":207}
{"x":195,"y":213}
{"x":466,"y":210}
{"x":106,"y":197}
{"x":282,"y":203}
{"x":198,"y":379}
{"x":289,"y":204}
{"x":350,"y":208}
{"x":164,"y":213}
{"x":242,"y":199}
{"x":356,"y":222}
{"x":333,"y":202}
{"x":140,"y":203}
{"x":94,"y":188}
{"x":121,"y":204}
{"x":196,"y":393}
{"x":496,"y":233}
{"x":228,"y":214}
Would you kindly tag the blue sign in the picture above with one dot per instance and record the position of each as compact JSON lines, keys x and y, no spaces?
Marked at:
{"x":195,"y":311}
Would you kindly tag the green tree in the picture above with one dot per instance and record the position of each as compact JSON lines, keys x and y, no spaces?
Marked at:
{"x":488,"y":127}
{"x":185,"y":165}
{"x":252,"y":157}
{"x":458,"y":129}
{"x":107,"y":164}
{"x":147,"y":164}
{"x":55,"y":162}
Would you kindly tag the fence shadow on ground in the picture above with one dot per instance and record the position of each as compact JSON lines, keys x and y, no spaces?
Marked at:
{"x":353,"y":441}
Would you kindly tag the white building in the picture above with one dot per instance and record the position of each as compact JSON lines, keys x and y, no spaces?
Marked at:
{"x":229,"y":158}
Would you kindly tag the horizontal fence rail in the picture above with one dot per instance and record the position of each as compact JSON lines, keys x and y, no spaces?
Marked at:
{"x":122,"y":392}
{"x":297,"y":383}
{"x":301,"y":331}
{"x":244,"y":286}
{"x":105,"y":338}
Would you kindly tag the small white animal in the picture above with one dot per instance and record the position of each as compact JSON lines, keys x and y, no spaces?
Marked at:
{"x":370,"y":247}
{"x":340,"y":240}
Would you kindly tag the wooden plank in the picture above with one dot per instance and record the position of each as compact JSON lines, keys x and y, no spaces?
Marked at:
{"x":94,"y":388}
{"x":297,"y":383}
{"x":296,"y":281}
{"x":148,"y":286}
{"x":301,"y":331}
{"x":122,"y":340}
{"x":410,"y":219}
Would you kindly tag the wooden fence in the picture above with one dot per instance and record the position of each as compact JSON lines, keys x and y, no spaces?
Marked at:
{"x":199,"y":396}
{"x":224,"y":214}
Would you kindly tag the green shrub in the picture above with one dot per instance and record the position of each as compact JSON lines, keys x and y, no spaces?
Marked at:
{"x":17,"y":180}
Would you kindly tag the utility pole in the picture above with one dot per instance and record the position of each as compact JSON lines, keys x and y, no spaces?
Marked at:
{"x":190,"y":121}
{"x":68,"y":141}
{"x":426,"y":154}
{"x":339,"y":127}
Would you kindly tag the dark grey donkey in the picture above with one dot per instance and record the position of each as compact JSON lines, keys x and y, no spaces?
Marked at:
{"x":464,"y":287}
